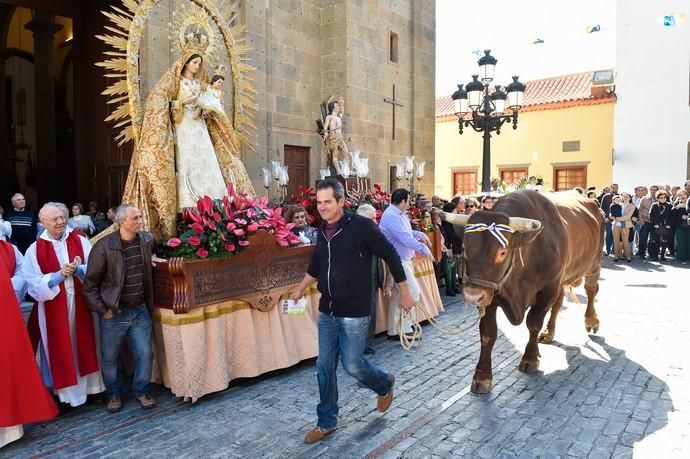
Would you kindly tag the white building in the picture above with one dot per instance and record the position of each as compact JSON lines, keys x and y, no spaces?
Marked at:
{"x":652,"y":118}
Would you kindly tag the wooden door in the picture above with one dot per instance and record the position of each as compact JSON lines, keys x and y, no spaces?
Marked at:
{"x":297,"y":161}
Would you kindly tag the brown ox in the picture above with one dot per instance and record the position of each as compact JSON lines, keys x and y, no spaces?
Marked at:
{"x":557,"y":242}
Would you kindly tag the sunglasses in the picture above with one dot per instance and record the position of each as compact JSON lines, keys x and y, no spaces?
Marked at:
{"x":471,"y":206}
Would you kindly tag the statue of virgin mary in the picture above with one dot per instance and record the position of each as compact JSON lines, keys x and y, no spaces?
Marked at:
{"x":184,"y":152}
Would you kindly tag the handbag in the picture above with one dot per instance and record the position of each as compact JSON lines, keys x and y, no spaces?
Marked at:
{"x":663,"y":233}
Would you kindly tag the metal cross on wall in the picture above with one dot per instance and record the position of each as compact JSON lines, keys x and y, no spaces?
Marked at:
{"x":393,"y":101}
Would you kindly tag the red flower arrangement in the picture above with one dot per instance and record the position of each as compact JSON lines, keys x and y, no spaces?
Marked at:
{"x":220,"y":228}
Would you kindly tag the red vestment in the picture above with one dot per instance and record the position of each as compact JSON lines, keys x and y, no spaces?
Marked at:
{"x":60,"y":352}
{"x":7,"y":257}
{"x":23,"y":397}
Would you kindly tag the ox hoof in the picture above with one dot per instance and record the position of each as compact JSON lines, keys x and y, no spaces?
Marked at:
{"x":592,"y":327}
{"x":527,"y":366}
{"x":546,"y":338}
{"x":481,"y":387}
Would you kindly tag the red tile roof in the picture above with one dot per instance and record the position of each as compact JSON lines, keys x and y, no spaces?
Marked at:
{"x":547,"y":94}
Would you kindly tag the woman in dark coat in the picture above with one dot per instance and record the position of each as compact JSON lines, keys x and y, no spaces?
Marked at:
{"x":679,"y":223}
{"x":659,"y":215}
{"x":454,"y":243}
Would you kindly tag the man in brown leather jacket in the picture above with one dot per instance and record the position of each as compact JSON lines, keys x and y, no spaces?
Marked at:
{"x":119,"y":287}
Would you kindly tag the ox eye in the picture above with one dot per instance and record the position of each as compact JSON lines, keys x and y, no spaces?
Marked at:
{"x":501,"y":254}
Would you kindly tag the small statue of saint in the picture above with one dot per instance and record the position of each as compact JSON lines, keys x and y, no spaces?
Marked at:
{"x":333,"y":136}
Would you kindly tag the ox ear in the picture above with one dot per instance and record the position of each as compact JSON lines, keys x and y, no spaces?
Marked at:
{"x":455,"y":219}
{"x":522,"y":238}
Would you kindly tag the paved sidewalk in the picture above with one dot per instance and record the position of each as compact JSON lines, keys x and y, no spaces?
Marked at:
{"x":603,"y":395}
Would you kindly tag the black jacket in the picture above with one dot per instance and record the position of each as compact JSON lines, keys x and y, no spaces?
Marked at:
{"x":453,"y":240}
{"x":105,"y":272}
{"x":343,"y":266}
{"x":659,"y":213}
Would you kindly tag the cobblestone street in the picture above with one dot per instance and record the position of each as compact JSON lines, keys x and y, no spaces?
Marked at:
{"x":619,"y":393}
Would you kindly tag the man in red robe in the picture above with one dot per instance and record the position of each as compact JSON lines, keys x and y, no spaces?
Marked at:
{"x":54,"y":268}
{"x":23,"y":397}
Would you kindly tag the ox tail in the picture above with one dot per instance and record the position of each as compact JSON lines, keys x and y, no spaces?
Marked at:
{"x":571,"y":295}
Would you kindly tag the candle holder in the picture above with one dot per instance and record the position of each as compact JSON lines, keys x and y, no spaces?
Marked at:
{"x":419,"y":172}
{"x":266,"y":179}
{"x":345,"y":168}
{"x":283,"y":180}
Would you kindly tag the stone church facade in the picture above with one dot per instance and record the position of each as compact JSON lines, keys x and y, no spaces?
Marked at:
{"x":379,"y":56}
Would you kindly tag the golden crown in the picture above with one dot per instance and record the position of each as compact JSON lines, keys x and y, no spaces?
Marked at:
{"x":195,"y":41}
{"x":192,"y":32}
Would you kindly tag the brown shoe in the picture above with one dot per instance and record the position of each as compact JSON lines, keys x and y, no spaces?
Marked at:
{"x":317,"y":434}
{"x":384,"y":401}
{"x":114,"y":404}
{"x":147,"y":401}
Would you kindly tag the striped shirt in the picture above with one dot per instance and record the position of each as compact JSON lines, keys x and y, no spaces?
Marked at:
{"x":23,"y":227}
{"x":132,"y":294}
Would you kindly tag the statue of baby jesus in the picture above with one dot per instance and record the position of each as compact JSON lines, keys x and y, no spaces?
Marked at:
{"x":211,"y":99}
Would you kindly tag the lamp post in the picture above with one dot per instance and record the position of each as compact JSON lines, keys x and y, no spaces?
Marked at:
{"x":487,"y":109}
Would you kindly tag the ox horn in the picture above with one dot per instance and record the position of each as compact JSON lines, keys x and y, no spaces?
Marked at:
{"x":455,"y":219}
{"x":524,"y":224}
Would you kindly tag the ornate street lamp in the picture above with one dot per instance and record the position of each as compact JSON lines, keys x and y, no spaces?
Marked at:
{"x":487,"y":109}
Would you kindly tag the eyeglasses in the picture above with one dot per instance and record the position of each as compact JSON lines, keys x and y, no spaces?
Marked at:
{"x":471,"y":206}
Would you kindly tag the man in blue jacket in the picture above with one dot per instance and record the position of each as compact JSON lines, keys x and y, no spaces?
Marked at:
{"x":342,"y":266}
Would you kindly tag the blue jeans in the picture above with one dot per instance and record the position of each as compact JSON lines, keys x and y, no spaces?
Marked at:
{"x":609,"y":238}
{"x":344,"y":337}
{"x":135,"y":324}
{"x":645,"y":233}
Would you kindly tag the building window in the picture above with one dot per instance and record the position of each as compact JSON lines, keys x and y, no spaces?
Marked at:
{"x":569,"y":177}
{"x":571,"y":145}
{"x":464,"y":182}
{"x":393,"y":47}
{"x":512,"y":175}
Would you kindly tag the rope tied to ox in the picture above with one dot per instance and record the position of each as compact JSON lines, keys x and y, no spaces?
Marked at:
{"x":408,"y":341}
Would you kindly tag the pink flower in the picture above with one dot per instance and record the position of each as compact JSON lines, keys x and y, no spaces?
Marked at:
{"x":174,"y":242}
{"x":193,"y":241}
{"x":193,"y":215}
{"x":230,"y":247}
{"x":244,"y":243}
{"x":197,"y":227}
{"x":239,"y":232}
{"x":209,"y":223}
{"x":252,"y":227}
{"x":240,"y":221}
{"x":230,"y":226}
{"x":205,"y":205}
{"x":202,"y":252}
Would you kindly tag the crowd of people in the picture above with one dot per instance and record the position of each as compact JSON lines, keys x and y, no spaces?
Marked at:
{"x":86,"y":302}
{"x":649,"y":223}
